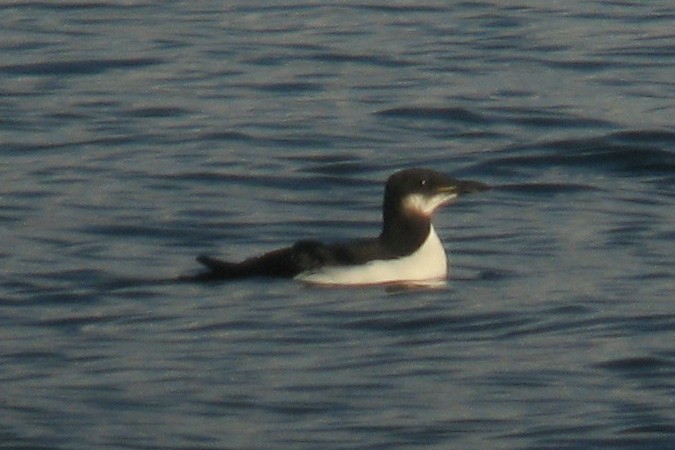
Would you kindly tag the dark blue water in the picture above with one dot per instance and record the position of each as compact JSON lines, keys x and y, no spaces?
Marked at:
{"x":136,"y":135}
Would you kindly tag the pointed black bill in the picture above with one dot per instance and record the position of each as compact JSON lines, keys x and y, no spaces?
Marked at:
{"x":469,"y":187}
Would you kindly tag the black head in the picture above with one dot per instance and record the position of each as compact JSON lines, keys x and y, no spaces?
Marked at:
{"x":421,"y":191}
{"x":410,"y":199}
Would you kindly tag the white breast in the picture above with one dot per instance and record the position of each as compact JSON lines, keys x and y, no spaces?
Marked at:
{"x":427,"y":264}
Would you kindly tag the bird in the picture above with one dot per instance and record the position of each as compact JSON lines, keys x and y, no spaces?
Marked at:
{"x":407,"y":251}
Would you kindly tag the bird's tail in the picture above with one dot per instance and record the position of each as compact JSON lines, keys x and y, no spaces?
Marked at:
{"x":217,"y":269}
{"x":285,"y":262}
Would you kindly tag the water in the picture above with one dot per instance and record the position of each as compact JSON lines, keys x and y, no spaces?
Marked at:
{"x":136,"y":135}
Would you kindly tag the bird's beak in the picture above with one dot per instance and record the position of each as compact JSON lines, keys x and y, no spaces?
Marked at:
{"x":442,"y":196}
{"x":445,"y":194}
{"x":462,"y":187}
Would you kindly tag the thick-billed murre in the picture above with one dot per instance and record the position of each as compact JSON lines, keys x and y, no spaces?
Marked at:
{"x":407,"y":251}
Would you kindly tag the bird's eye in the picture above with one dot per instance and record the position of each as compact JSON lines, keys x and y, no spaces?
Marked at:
{"x":423,"y":182}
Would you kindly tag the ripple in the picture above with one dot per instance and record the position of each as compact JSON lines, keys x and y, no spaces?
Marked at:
{"x":546,"y":189}
{"x":77,"y":67}
{"x":158,"y":111}
{"x":429,"y":113}
{"x":634,"y":153}
{"x":645,"y":365}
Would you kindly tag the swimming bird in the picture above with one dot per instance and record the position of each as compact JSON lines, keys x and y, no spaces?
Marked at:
{"x":407,"y":251}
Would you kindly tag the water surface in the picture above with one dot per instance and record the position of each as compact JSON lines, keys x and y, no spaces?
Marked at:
{"x":135,"y":136}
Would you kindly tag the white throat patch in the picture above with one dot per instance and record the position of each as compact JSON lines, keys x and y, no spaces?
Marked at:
{"x":427,"y":264}
{"x":426,"y":205}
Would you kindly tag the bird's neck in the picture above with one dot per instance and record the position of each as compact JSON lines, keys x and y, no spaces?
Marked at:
{"x":403,"y":232}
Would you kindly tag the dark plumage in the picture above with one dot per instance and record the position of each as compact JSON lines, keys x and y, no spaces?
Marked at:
{"x":410,"y":198}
